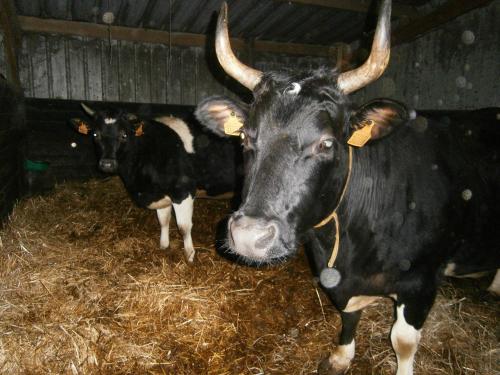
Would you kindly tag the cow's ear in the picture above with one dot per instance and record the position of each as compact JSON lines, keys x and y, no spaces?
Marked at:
{"x":136,"y":123}
{"x":222,"y":115}
{"x":376,"y":120}
{"x":81,"y":126}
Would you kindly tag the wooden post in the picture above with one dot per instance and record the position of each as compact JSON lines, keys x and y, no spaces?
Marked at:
{"x":12,"y":38}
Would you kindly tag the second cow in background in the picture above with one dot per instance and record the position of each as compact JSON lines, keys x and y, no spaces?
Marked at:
{"x":162,"y":162}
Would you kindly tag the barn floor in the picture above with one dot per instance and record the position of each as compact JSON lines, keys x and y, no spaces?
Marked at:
{"x":86,"y":289}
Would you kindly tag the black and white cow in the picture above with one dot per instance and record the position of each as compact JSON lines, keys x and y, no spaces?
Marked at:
{"x":379,"y":220}
{"x":162,"y":162}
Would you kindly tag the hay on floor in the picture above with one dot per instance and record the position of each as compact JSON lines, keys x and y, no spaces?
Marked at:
{"x":86,"y":289}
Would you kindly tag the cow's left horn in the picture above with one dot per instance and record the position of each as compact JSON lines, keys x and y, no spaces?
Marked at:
{"x":379,"y":56}
{"x":88,"y":110}
{"x":244,"y":74}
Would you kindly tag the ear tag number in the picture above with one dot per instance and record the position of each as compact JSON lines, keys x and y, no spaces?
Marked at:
{"x":363,"y":135}
{"x":82,"y":128}
{"x":233,"y":125}
{"x":139,"y":131}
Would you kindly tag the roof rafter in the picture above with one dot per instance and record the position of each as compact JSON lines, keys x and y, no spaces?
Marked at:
{"x":355,"y":6}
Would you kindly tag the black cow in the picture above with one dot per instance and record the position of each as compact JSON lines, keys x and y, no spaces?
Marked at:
{"x":379,"y":220}
{"x":162,"y":162}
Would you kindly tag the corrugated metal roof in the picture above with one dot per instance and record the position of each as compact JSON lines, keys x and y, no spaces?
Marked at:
{"x":259,"y":19}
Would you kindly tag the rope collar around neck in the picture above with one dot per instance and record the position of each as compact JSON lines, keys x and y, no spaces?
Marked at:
{"x":335,"y":217}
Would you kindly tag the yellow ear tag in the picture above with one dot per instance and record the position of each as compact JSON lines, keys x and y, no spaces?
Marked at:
{"x":233,"y":125}
{"x":82,"y":128}
{"x":139,"y":131}
{"x":361,"y":136}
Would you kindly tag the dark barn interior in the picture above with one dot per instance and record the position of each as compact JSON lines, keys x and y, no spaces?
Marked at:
{"x":85,"y":287}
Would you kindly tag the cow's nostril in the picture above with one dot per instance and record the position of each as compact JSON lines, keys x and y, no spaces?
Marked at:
{"x":266,"y":238}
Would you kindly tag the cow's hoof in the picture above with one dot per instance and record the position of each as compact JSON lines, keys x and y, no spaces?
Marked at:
{"x":326,"y":368}
{"x":164,"y":246}
{"x":190,"y":255}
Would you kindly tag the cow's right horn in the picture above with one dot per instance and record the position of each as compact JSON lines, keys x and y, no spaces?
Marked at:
{"x":88,"y":110}
{"x":244,"y":74}
{"x":379,"y":56}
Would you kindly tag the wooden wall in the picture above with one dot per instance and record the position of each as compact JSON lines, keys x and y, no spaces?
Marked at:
{"x":60,"y":67}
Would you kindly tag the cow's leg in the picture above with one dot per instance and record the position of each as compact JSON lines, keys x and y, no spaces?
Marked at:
{"x":495,"y":284}
{"x":164,"y":220}
{"x":339,"y":361}
{"x":411,"y":312}
{"x":184,"y":217}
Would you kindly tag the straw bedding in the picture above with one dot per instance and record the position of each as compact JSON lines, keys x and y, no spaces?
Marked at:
{"x":85,"y":289}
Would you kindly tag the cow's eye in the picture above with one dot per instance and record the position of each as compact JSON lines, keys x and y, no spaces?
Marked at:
{"x":96,"y":135}
{"x":123,"y":136}
{"x":325,"y":144}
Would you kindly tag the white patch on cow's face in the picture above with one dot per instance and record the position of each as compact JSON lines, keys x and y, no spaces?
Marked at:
{"x":182,"y":130}
{"x":109,"y":120}
{"x":293,"y":89}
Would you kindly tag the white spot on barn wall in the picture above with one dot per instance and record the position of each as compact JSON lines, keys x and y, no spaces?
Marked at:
{"x":466,"y":67}
{"x":440,"y":102}
{"x":469,"y":85}
{"x":456,"y":97}
{"x":461,"y":81}
{"x":417,"y":65}
{"x":468,"y":37}
{"x":412,"y":205}
{"x":466,"y":194}
{"x":434,"y":167}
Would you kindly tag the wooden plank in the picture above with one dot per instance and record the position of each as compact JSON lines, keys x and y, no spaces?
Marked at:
{"x":110,"y":72}
{"x":57,"y":67}
{"x":174,"y":76}
{"x":94,"y":77}
{"x":421,"y":25}
{"x":25,"y":68}
{"x":355,"y":6}
{"x":158,"y":73}
{"x":126,"y":66}
{"x":189,"y":76}
{"x":39,"y":25}
{"x":39,"y":66}
{"x":143,"y":73}
{"x":77,"y":85}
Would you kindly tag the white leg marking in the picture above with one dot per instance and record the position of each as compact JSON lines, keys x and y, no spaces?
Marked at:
{"x":164,"y":220}
{"x":405,"y":339}
{"x":341,"y":358}
{"x":184,"y":217}
{"x":495,"y":284}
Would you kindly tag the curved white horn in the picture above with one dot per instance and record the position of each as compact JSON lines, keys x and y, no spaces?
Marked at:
{"x":244,"y":74}
{"x":87,"y":109}
{"x":379,"y":56}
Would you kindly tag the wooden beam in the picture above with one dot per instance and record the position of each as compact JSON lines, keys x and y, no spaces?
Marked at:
{"x":12,"y":38}
{"x":362,"y":6}
{"x":448,"y":11}
{"x":92,"y":30}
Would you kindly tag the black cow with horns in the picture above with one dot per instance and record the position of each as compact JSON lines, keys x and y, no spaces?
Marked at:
{"x":162,"y":162}
{"x":384,"y":210}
